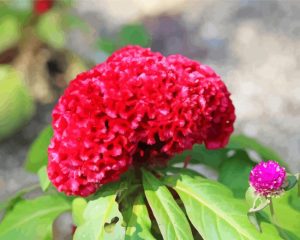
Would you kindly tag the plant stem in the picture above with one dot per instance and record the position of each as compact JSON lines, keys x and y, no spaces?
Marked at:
{"x":272,"y":211}
{"x":186,"y":161}
{"x":274,"y":222}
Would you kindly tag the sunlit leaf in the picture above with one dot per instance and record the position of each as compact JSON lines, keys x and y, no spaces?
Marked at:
{"x":286,"y":217}
{"x":78,"y":208}
{"x":139,"y":224}
{"x":32,"y":219}
{"x":215,"y":213}
{"x":43,"y":177}
{"x":102,"y":220}
{"x":170,"y":218}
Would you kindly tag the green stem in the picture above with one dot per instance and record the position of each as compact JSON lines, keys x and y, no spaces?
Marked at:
{"x":274,"y":222}
{"x":272,"y":211}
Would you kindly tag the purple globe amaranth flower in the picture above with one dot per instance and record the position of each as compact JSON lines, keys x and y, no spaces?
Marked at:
{"x":267,"y":178}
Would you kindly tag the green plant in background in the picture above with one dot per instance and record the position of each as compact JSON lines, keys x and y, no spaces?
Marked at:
{"x":134,"y":34}
{"x":33,"y":57}
{"x":16,"y":105}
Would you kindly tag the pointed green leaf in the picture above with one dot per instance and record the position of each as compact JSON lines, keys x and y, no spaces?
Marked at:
{"x":32,"y":219}
{"x":37,"y":155}
{"x":245,"y":142}
{"x":139,"y":224}
{"x":252,"y":216}
{"x":256,"y":204}
{"x":43,"y":177}
{"x":215,"y":213}
{"x":102,"y":220}
{"x":170,"y":218}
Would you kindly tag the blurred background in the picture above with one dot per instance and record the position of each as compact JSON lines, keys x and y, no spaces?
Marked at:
{"x":253,"y":44}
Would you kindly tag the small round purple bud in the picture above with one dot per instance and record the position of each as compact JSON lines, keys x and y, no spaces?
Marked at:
{"x":267,"y":178}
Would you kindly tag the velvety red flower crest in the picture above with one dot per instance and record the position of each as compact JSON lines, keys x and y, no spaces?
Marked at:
{"x":138,"y":108}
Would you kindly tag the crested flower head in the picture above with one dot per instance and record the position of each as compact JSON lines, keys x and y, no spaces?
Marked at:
{"x":267,"y":178}
{"x":138,"y":108}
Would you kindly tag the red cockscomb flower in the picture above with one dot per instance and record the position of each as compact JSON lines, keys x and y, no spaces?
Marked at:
{"x":137,"y":108}
{"x":42,"y":6}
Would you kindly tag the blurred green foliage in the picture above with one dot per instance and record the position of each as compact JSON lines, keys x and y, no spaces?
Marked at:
{"x":12,"y":20}
{"x":50,"y":30}
{"x":133,"y":34}
{"x":16,"y":106}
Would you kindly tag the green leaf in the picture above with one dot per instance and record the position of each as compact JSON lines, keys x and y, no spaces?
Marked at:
{"x":78,"y":207}
{"x":234,"y":173}
{"x":12,"y":201}
{"x":43,"y":177}
{"x":257,"y":204}
{"x":170,"y":218}
{"x":199,"y":154}
{"x":20,"y":13}
{"x":139,"y":224}
{"x":37,"y":155}
{"x":16,"y":105}
{"x":134,"y":34}
{"x":10,"y":32}
{"x":291,"y":182}
{"x":287,"y":218}
{"x":32,"y":219}
{"x":49,"y":29}
{"x":215,"y":213}
{"x":106,"y":45}
{"x":102,"y":220}
{"x":244,"y":142}
{"x":255,"y":201}
{"x":294,"y":199}
{"x":253,"y":218}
